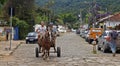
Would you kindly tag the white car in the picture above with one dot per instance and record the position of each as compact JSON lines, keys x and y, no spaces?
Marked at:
{"x":62,"y":30}
{"x":73,"y":30}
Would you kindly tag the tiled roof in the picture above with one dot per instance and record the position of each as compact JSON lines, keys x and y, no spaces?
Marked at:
{"x":115,"y":17}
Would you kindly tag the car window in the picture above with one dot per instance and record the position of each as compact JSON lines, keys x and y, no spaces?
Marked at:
{"x":104,"y":34}
{"x":119,"y":34}
{"x":32,"y":34}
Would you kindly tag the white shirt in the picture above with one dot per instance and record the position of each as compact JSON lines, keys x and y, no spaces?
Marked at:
{"x":41,"y":29}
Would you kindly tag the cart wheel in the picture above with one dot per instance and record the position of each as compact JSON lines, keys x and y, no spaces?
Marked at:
{"x":37,"y":52}
{"x":26,"y":42}
{"x":58,"y":52}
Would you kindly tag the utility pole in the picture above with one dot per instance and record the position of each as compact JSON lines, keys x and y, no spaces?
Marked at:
{"x":81,"y":18}
{"x":11,"y":14}
{"x":94,"y":16}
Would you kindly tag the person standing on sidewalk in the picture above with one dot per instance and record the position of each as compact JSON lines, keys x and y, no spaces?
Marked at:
{"x":112,"y":42}
{"x":7,"y":35}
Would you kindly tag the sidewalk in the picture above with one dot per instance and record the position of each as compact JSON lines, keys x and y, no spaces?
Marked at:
{"x":5,"y":45}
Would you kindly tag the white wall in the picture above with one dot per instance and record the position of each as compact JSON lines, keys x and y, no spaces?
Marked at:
{"x":112,"y":24}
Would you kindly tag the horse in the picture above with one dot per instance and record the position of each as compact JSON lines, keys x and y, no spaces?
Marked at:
{"x":45,"y":45}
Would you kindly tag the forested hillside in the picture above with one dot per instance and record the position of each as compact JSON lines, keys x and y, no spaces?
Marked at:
{"x":61,"y":6}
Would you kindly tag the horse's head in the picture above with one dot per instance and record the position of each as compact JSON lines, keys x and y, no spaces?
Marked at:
{"x":47,"y":35}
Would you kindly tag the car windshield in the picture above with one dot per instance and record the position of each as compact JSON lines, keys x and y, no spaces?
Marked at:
{"x":32,"y":34}
{"x":96,"y":30}
{"x":105,"y":34}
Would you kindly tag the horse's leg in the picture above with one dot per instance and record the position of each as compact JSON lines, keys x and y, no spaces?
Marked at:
{"x":48,"y":52}
{"x":45,"y":55}
{"x":43,"y":50}
{"x":54,"y":49}
{"x":39,"y":44}
{"x":39,"y":47}
{"x":48,"y":55}
{"x":54,"y":46}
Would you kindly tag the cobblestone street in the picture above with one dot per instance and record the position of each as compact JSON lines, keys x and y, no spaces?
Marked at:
{"x":74,"y":52}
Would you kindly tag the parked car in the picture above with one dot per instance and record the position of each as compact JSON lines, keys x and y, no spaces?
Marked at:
{"x":32,"y":37}
{"x":62,"y":30}
{"x":82,"y":32}
{"x":87,"y":36}
{"x":57,"y":33}
{"x":78,"y":31}
{"x":85,"y":33}
{"x":104,"y":44}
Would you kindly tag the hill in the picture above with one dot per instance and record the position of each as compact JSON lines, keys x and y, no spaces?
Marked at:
{"x":74,"y":6}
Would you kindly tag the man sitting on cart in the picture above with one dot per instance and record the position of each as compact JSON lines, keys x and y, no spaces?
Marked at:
{"x":52,"y":30}
{"x":41,"y":29}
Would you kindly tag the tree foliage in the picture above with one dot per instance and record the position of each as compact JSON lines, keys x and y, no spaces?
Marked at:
{"x":24,"y":13}
{"x":24,"y":9}
{"x":2,"y":2}
{"x":22,"y":25}
{"x":63,"y":6}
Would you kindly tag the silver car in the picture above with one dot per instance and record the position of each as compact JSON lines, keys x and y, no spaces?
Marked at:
{"x":104,"y":45}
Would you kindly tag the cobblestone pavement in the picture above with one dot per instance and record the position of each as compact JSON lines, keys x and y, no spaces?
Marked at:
{"x":75,"y":52}
{"x":5,"y":47}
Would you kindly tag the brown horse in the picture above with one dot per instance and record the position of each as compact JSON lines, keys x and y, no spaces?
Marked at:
{"x":45,"y":45}
{"x":39,"y":43}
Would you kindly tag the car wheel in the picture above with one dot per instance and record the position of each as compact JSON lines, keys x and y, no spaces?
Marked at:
{"x":104,"y":49}
{"x":27,"y":42}
{"x":90,"y":41}
{"x":98,"y":47}
{"x":86,"y":39}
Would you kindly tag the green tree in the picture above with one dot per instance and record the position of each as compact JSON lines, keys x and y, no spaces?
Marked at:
{"x":24,"y":10}
{"x":2,"y":2}
{"x":42,"y":14}
{"x":22,"y":25}
{"x":69,"y":19}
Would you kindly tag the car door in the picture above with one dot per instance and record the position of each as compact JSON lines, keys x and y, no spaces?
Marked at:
{"x":100,"y":41}
{"x":118,"y":40}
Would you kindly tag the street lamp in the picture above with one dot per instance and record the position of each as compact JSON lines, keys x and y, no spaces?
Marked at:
{"x":80,"y":18}
{"x":11,"y":13}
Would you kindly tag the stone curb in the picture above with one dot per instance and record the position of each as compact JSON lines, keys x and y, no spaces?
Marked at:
{"x":10,"y":52}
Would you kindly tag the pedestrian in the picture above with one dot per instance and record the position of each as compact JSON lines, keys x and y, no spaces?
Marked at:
{"x":112,"y":42}
{"x":7,"y":35}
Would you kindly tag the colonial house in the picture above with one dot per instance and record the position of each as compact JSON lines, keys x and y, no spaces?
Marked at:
{"x":112,"y":21}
